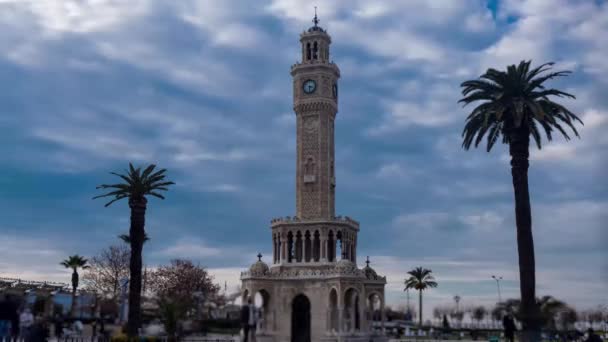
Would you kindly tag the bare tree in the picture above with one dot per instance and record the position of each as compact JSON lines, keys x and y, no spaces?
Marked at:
{"x":106,"y":269}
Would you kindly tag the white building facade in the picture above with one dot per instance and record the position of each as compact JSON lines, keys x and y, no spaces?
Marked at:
{"x":313,"y":290}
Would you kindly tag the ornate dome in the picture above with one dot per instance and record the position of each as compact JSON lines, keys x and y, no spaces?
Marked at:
{"x":259,"y":267}
{"x":370,"y":273}
{"x":315,"y":21}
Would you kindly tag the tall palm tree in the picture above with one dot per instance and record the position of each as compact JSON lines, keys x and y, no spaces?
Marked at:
{"x":75,"y":262}
{"x":137,"y":185}
{"x":515,"y":104}
{"x":420,"y":279}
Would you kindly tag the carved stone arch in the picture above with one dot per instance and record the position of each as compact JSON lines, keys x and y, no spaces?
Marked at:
{"x":308,"y":51}
{"x":316,"y":245}
{"x":290,"y":245}
{"x":352,"y":313}
{"x":309,"y":165}
{"x":307,"y":246}
{"x":331,"y":246}
{"x":373,"y":309}
{"x":300,"y":318}
{"x":334,"y":303}
{"x":299,"y":244}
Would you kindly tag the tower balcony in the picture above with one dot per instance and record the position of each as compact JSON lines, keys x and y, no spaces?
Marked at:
{"x":314,"y":65}
{"x":294,"y":220}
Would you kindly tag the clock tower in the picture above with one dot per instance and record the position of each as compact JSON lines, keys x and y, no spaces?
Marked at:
{"x":315,"y":102}
{"x":313,"y":290}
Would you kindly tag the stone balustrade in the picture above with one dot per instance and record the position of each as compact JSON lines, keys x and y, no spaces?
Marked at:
{"x":295,"y":219}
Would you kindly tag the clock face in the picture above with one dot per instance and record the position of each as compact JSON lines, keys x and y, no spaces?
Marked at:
{"x":334,"y":90}
{"x":309,"y":86}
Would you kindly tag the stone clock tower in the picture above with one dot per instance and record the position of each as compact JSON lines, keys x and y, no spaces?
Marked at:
{"x":314,"y":290}
{"x":315,"y":101}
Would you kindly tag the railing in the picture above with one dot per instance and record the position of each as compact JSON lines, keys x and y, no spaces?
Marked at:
{"x":295,"y":219}
{"x":15,"y":282}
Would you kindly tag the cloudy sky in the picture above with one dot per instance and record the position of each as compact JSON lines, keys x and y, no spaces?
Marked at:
{"x":203,"y":89}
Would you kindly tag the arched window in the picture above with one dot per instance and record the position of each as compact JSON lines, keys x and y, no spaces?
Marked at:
{"x":315,"y":51}
{"x":339,"y":246}
{"x":307,"y":247}
{"x":308,"y":52}
{"x":309,"y":167}
{"x":290,"y":247}
{"x":299,"y":247}
{"x":316,"y":246}
{"x":331,"y":247}
{"x":333,"y":310}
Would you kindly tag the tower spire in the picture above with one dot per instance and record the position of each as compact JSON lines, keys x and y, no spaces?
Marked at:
{"x":315,"y":20}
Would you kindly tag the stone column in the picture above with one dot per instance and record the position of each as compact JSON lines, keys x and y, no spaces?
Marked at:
{"x":348,"y":249}
{"x":275,"y":249}
{"x":323,"y":249}
{"x":340,"y":319}
{"x":383,"y":316}
{"x":283,"y":248}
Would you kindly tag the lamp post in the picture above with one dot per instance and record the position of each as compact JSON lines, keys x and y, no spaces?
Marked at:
{"x":457,"y":300}
{"x":498,"y":279}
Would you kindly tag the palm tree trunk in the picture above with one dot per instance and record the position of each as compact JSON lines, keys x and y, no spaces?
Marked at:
{"x":73,"y":307}
{"x":519,"y":150}
{"x":137,"y":233}
{"x":74,"y":287}
{"x":420,"y":308}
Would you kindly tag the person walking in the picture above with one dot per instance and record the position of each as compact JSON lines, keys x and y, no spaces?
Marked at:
{"x":253,"y":320}
{"x":5,"y":319}
{"x":13,"y":306}
{"x":26,"y":320}
{"x":592,"y":336}
{"x":509,"y":325}
{"x":58,"y":324}
{"x":245,"y":318}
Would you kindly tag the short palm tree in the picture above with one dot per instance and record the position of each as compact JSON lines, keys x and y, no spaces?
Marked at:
{"x":420,"y":279}
{"x":549,"y":309}
{"x":137,"y":185}
{"x":516,"y":105}
{"x":75,"y":262}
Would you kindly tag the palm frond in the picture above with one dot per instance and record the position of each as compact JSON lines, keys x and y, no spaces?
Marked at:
{"x":137,"y":184}
{"x":511,"y":98}
{"x":147,"y":171}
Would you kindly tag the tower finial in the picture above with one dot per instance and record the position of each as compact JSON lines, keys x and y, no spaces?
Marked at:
{"x":315,"y":20}
{"x":367,"y":261}
{"x":259,"y":256}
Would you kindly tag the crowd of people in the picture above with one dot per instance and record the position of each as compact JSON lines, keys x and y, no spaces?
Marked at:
{"x":18,"y":323}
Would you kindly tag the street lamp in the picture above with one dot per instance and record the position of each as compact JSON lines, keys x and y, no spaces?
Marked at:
{"x":457,"y":300}
{"x":498,"y":279}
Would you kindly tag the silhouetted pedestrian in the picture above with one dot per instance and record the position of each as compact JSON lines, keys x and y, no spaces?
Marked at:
{"x":13,"y":313}
{"x":58,"y":323}
{"x":246,"y":317}
{"x":26,"y":321}
{"x":592,"y":337}
{"x":509,"y":325}
{"x":5,"y":319}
